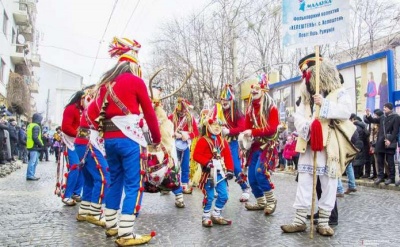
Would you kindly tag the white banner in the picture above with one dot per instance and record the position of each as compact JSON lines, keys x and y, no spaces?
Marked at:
{"x":314,"y":22}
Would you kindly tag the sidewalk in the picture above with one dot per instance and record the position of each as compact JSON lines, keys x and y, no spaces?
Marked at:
{"x":359,"y":182}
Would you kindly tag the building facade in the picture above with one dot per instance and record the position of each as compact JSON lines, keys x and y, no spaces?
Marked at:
{"x":18,"y":56}
{"x":57,"y":85}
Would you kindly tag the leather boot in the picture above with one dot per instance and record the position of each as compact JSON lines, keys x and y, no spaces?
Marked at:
{"x":84,"y":210}
{"x":179,"y":203}
{"x":298,"y":224}
{"x":186,"y":189}
{"x":95,"y":217}
{"x":259,"y":205}
{"x":126,"y":237}
{"x":271,"y":202}
{"x":323,"y":227}
{"x":111,"y":222}
{"x":219,"y":220}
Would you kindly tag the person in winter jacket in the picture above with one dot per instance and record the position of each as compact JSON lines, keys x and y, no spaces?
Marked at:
{"x":289,"y":152}
{"x":23,"y":153}
{"x":34,"y":144}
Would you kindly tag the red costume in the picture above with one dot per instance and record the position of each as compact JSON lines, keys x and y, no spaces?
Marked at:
{"x":203,"y":151}
{"x":71,"y":120}
{"x":131,"y":91}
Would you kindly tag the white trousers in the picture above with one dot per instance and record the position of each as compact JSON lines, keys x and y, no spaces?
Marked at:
{"x":304,"y":192}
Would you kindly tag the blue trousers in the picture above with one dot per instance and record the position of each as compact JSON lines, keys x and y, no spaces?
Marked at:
{"x":184,"y":158}
{"x":95,"y":173}
{"x":234,"y":146}
{"x":125,"y":166}
{"x":222,"y":191}
{"x":32,"y":163}
{"x":75,"y":178}
{"x":257,"y":179}
{"x":350,"y":177}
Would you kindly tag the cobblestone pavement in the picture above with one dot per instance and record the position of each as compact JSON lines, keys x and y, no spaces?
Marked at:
{"x":31,"y":215}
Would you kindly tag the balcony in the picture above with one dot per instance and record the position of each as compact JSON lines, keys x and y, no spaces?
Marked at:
{"x":21,"y":15}
{"x":18,"y":53}
{"x":35,"y":59}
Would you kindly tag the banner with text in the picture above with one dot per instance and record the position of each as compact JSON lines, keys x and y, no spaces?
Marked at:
{"x":314,"y":22}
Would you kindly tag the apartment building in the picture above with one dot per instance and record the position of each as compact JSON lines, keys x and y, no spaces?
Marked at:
{"x":18,"y":56}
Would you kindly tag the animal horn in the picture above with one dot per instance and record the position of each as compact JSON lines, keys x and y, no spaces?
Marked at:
{"x":151,"y":82}
{"x":181,"y":86}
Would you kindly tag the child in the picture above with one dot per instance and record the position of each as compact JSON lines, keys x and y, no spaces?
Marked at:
{"x":213,"y":154}
{"x":289,"y":152}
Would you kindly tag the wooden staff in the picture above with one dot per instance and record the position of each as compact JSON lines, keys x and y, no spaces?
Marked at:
{"x":317,"y":109}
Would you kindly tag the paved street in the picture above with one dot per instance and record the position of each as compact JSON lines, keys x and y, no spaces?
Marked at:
{"x":32,"y":216}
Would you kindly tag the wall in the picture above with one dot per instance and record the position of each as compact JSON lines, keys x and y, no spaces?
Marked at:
{"x":61,"y":85}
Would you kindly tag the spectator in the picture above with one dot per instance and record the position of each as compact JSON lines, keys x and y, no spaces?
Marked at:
{"x":386,"y":143}
{"x":45,"y":151}
{"x":13,"y":137}
{"x":373,"y":129}
{"x":289,"y":152}
{"x":363,"y":136}
{"x":3,"y":145}
{"x":34,"y":144}
{"x":281,"y":146}
{"x":57,"y":143}
{"x":23,"y":153}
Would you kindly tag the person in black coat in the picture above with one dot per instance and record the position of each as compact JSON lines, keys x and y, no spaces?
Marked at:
{"x":3,"y":145}
{"x":386,"y":143}
{"x":12,"y":130}
{"x":23,"y":153}
{"x":363,"y":136}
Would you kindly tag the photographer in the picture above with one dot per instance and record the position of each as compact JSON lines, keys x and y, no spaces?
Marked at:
{"x":386,"y":143}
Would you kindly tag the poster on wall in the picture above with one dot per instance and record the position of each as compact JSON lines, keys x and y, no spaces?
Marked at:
{"x":377,"y":90}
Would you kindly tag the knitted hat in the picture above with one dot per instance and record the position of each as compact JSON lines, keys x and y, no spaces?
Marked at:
{"x":388,"y":105}
{"x":378,"y":112}
{"x":227,"y":93}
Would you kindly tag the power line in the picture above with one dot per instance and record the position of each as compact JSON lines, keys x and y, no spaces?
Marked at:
{"x":98,"y":49}
{"x":69,"y":50}
{"x":130,"y":17}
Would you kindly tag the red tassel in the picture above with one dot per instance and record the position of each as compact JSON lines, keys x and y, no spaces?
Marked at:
{"x":317,"y":140}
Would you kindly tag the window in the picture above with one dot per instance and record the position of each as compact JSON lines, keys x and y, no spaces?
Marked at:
{"x":2,"y":67}
{"x":13,"y":37}
{"x":5,"y":23}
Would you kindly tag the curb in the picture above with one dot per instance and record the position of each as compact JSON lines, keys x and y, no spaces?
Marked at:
{"x":359,"y":182}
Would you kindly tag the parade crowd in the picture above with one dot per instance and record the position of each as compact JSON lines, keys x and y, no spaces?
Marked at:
{"x":115,"y":138}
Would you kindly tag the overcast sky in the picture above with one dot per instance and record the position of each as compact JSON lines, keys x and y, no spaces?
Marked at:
{"x":71,"y":30}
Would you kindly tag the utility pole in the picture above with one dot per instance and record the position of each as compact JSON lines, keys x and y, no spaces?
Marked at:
{"x":47,"y":108}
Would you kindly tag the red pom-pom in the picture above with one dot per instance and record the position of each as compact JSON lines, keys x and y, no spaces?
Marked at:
{"x":142,"y":172}
{"x":210,"y":121}
{"x":143,"y":156}
{"x":58,"y":184}
{"x":141,"y":189}
{"x":141,"y":123}
{"x":272,"y":186}
{"x":65,"y":153}
{"x":152,"y":234}
{"x":252,"y":86}
{"x":156,"y":178}
{"x":98,"y":167}
{"x":64,"y":186}
{"x":104,"y":181}
{"x":68,"y":166}
{"x":137,"y":208}
{"x":262,"y":86}
{"x":102,"y":196}
{"x":66,"y":175}
{"x":316,"y":136}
